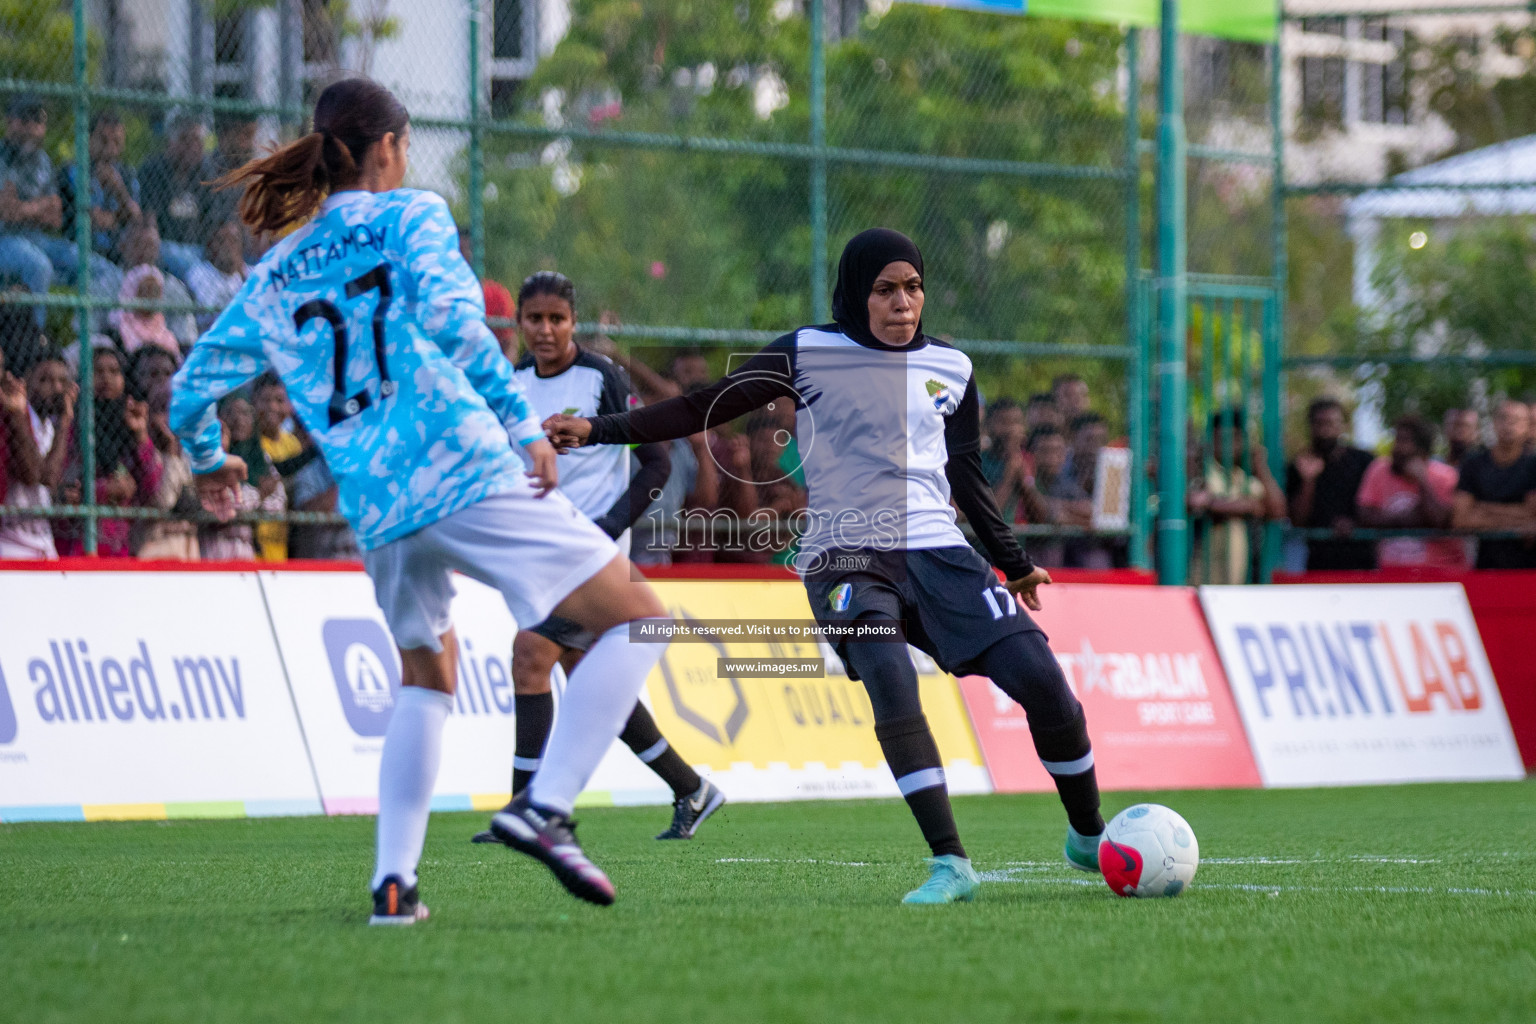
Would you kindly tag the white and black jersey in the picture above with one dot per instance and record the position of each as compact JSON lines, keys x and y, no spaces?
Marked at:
{"x":886,"y":437}
{"x":599,"y":481}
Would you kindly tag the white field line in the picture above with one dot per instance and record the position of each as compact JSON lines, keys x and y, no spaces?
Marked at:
{"x":1013,"y":874}
{"x":1007,"y":875}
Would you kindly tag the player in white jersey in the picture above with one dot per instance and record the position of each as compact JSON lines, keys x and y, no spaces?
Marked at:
{"x":376,"y":325}
{"x":559,"y":376}
{"x":888,"y":429}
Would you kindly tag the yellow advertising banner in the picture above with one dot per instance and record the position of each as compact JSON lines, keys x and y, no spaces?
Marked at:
{"x":789,"y":737}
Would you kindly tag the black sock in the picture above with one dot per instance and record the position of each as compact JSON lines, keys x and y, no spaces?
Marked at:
{"x":535,"y":713}
{"x":913,"y":756}
{"x":641,"y":735}
{"x":1068,"y":756}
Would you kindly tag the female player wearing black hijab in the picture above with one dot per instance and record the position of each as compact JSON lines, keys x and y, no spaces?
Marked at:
{"x":888,"y":428}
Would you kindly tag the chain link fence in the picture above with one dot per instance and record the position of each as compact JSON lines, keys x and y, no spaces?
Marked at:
{"x":1410,"y":191}
{"x":694,"y":169}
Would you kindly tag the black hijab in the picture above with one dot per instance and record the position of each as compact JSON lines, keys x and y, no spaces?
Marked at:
{"x":866,"y":254}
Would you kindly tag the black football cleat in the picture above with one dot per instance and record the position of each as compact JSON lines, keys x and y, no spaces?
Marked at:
{"x":689,"y":812}
{"x":394,"y":904}
{"x":550,"y":837}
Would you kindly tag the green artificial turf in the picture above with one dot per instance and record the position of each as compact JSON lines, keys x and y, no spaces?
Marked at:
{"x":1414,"y":903}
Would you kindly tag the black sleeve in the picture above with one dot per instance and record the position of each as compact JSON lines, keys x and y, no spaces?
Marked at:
{"x":616,"y":395}
{"x":655,"y":467}
{"x":968,"y":486}
{"x":768,"y":375}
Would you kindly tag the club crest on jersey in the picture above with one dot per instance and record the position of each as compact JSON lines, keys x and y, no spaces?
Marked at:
{"x":938,"y":391}
{"x":840,"y":596}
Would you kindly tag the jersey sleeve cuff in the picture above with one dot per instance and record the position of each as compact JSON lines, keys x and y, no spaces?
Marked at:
{"x":203,"y":465}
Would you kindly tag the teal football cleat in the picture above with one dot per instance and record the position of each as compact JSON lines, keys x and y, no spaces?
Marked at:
{"x":1082,"y":852}
{"x":951,"y":879}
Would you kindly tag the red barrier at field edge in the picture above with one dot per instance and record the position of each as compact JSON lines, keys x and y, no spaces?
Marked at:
{"x":1157,"y":700}
{"x":1504,"y":605}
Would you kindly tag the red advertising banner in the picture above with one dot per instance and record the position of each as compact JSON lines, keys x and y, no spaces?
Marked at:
{"x":1159,"y":709}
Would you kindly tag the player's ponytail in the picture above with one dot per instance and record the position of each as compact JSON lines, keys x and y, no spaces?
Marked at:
{"x":286,"y":186}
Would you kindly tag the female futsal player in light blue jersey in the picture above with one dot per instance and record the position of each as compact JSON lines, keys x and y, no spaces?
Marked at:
{"x":377,"y":326}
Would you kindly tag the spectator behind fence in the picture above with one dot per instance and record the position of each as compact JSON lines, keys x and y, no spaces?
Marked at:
{"x":1227,"y":502}
{"x":113,"y":189}
{"x":311,"y":488}
{"x":1003,"y":461}
{"x":279,"y":444}
{"x":242,"y":439}
{"x":232,"y":541}
{"x":175,"y":192}
{"x":1070,"y":393}
{"x":141,"y":249}
{"x":21,"y":461}
{"x":1321,"y":483}
{"x":1497,"y":490}
{"x":128,"y":467}
{"x":1463,"y":435}
{"x":138,"y":328}
{"x":34,"y":246}
{"x":22,"y":343}
{"x":168,"y":539}
{"x":1041,"y":411}
{"x":1409,"y":489}
{"x":216,"y":282}
{"x":51,"y":395}
{"x":1052,"y":495}
{"x":1089,"y":436}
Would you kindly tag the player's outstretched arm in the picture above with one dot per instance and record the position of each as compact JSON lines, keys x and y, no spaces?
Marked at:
{"x":450,"y":307}
{"x":767,"y":375}
{"x":225,"y":358}
{"x":968,"y":486}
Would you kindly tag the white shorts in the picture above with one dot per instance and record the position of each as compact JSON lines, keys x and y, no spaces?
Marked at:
{"x":536,"y":551}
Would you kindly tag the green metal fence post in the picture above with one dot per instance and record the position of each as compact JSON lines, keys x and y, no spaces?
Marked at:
{"x":821,"y":308}
{"x":1274,"y":328}
{"x":1135,"y":337}
{"x":85,"y":408}
{"x":1172,"y":309}
{"x":476,"y":144}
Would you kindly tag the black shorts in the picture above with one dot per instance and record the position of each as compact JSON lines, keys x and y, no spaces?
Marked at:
{"x":570,"y":635}
{"x":948,"y":599}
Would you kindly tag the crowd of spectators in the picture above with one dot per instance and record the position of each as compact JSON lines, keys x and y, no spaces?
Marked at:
{"x":163,"y":234}
{"x":1042,"y":459}
{"x":1413,"y":496}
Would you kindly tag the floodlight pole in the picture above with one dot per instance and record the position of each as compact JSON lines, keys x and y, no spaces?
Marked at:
{"x":1172,"y":310}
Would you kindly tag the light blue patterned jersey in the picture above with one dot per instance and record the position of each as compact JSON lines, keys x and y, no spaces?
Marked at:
{"x":376,"y":325}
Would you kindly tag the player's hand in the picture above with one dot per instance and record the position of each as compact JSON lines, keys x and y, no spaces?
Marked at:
{"x":1026,"y":588}
{"x":219,"y":491}
{"x":567,"y":431}
{"x":544,"y":474}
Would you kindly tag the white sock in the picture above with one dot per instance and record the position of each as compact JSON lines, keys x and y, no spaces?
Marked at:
{"x":598,"y":700}
{"x":413,"y":747}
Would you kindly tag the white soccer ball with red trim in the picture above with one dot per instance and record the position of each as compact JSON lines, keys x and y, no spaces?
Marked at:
{"x":1148,"y":850}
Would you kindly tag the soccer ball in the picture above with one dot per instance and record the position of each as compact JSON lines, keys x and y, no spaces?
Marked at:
{"x":1148,"y":850}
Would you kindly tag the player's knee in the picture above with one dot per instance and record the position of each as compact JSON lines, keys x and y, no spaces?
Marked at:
{"x":1023,"y":667}
{"x":531,"y":666}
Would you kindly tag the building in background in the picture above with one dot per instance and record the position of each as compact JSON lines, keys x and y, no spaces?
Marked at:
{"x":278,"y":53}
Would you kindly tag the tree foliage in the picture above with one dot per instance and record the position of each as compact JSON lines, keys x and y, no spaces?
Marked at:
{"x":723,"y":239}
{"x":1467,"y":292}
